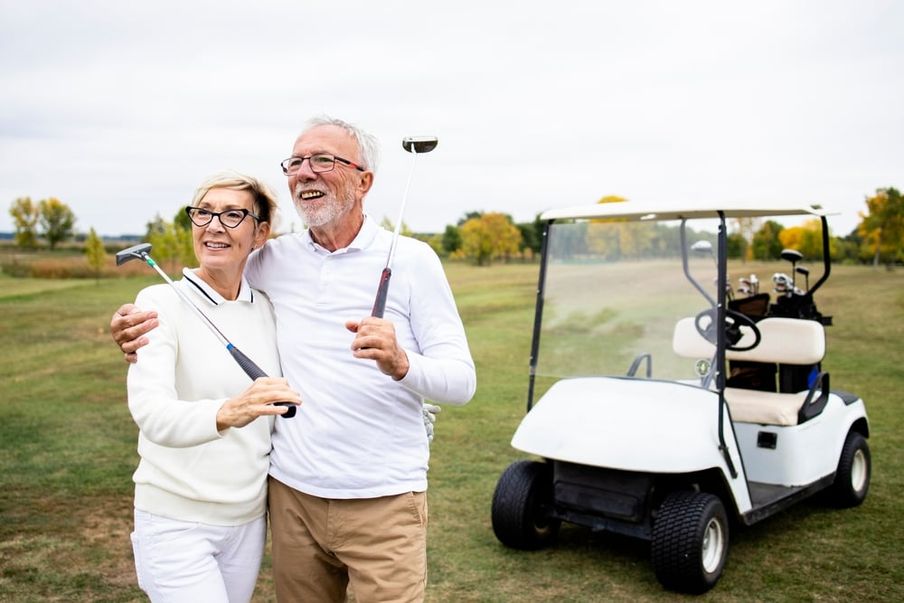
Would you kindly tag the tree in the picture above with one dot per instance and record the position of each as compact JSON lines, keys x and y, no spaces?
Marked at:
{"x":489,"y":236}
{"x":736,"y":246}
{"x":746,"y":227}
{"x":182,"y":220}
{"x":451,"y":239}
{"x":532,"y":235}
{"x":57,"y":221}
{"x":171,"y":245}
{"x":390,"y":226}
{"x":882,"y":228}
{"x":25,"y":215}
{"x":469,"y":216}
{"x":806,"y":238}
{"x":96,"y":253}
{"x":766,"y":244}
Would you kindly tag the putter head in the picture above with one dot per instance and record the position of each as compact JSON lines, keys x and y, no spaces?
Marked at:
{"x":419,"y":144}
{"x":802,"y":270}
{"x":136,"y":252}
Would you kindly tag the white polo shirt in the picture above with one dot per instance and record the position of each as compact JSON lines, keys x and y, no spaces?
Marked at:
{"x":358,"y":433}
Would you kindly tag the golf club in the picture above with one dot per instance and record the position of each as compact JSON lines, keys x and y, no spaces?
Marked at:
{"x":806,"y":274}
{"x":142,"y":252}
{"x":414,"y":145}
{"x":793,"y":256}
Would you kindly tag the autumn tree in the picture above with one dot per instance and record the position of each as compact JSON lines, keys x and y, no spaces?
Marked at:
{"x":57,"y":221}
{"x":25,"y":215}
{"x":806,"y":238}
{"x":882,"y":228}
{"x":492,"y":235}
{"x":95,"y":253}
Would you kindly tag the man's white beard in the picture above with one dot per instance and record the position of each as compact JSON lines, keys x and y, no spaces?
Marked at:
{"x":329,"y":209}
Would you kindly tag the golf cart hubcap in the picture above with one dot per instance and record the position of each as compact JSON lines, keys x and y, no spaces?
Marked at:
{"x":713,"y":545}
{"x":858,"y":471}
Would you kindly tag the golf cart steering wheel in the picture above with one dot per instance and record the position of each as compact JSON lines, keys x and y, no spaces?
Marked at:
{"x":733,"y":332}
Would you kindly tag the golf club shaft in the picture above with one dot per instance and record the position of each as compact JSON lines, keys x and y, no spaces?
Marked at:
{"x":250,"y":368}
{"x":383,"y":289}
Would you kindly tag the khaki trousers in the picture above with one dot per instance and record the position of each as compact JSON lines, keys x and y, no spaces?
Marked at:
{"x":321,"y":545}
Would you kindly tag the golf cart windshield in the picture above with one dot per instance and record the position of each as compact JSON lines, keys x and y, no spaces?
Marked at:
{"x":614,"y":292}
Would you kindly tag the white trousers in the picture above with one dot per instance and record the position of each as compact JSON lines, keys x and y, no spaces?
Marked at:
{"x":183,"y":561}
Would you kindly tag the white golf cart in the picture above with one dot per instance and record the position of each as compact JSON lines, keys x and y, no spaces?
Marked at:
{"x":652,"y":421}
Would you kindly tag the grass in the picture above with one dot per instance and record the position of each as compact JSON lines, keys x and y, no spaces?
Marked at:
{"x":67,"y":451}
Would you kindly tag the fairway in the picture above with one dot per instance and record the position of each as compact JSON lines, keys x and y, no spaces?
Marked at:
{"x":67,"y":452}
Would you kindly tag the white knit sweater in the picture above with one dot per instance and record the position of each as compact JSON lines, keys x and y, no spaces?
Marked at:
{"x":188,"y":470}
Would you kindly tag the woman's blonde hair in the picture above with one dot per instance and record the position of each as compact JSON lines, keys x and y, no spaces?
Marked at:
{"x":264,"y":201}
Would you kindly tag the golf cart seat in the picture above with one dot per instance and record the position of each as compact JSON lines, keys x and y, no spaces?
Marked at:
{"x":784,"y":341}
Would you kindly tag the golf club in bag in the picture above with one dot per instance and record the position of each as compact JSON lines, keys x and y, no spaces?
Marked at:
{"x":415,"y":146}
{"x":142,"y":252}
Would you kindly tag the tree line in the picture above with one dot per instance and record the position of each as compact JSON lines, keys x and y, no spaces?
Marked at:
{"x":485,"y":237}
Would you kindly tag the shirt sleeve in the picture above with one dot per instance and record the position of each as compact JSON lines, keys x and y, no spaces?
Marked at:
{"x":156,"y":407}
{"x":442,"y":369}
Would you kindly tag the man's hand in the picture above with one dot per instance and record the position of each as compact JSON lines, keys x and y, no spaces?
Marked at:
{"x":128,"y":327}
{"x":376,"y":340}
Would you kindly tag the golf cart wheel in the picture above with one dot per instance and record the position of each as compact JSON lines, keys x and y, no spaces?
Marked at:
{"x":521,"y":502}
{"x":690,"y":541}
{"x":853,"y":474}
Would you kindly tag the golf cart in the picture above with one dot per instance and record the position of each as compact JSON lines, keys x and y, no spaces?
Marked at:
{"x":669,"y":403}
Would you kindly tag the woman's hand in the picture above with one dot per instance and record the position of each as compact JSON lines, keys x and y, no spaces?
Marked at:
{"x":256,"y":401}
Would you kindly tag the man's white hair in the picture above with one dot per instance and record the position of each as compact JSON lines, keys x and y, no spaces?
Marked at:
{"x":368,"y":147}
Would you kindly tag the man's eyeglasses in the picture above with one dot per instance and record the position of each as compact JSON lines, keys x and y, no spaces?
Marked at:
{"x":322,"y":162}
{"x":229,"y":218}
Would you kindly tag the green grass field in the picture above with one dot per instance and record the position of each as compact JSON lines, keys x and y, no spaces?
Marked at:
{"x":67,"y":451}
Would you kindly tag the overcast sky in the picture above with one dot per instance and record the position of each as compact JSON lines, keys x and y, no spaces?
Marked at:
{"x":120,"y":109}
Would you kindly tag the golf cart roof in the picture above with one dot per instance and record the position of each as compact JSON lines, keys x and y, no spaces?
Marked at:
{"x":651,"y":211}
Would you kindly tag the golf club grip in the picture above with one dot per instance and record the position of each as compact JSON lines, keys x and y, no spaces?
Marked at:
{"x":382,"y":292}
{"x":254,"y":371}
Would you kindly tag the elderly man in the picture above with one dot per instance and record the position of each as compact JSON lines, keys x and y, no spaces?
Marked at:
{"x":348,"y":475}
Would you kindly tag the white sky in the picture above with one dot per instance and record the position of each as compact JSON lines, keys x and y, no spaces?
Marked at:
{"x":120,"y":109}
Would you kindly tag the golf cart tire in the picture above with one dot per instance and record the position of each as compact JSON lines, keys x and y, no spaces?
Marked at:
{"x":690,"y":541}
{"x":853,"y":474}
{"x":520,"y":503}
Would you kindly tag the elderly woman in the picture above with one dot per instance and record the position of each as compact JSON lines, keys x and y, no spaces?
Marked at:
{"x":204,"y":439}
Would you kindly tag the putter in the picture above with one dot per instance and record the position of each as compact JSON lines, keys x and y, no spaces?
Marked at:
{"x":414,"y":145}
{"x":142,"y":252}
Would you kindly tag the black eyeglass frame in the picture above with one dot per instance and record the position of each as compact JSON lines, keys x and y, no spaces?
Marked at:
{"x":285,"y":168}
{"x":218,"y":214}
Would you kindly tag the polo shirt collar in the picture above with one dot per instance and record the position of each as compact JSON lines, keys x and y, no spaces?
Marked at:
{"x":362,"y":240}
{"x":200,"y":287}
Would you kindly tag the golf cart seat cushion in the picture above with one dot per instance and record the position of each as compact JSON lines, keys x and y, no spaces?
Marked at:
{"x":784,"y":341}
{"x":765,"y":408}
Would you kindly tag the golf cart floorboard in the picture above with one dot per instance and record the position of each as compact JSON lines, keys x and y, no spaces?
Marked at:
{"x":769,"y":499}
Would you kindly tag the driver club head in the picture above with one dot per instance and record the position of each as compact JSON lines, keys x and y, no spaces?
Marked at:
{"x":136,"y":252}
{"x":791,"y":255}
{"x":419,"y":144}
